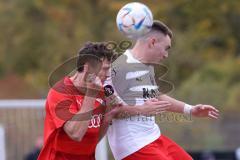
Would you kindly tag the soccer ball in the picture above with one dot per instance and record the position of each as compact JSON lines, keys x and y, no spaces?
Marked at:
{"x":134,"y":20}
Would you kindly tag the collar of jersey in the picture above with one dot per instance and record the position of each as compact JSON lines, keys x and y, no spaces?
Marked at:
{"x":130,"y":58}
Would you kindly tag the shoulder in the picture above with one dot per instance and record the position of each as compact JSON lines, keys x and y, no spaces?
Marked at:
{"x":120,"y":63}
{"x":59,"y":93}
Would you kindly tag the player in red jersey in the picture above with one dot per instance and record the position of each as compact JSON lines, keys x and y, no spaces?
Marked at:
{"x":75,"y":108}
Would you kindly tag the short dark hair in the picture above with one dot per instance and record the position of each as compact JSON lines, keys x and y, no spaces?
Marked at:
{"x":93,"y":52}
{"x":160,"y":26}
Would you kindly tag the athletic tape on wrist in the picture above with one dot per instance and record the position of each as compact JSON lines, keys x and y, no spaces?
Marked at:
{"x":187,"y":109}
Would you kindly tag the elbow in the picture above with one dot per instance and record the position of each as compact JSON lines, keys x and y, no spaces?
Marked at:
{"x":73,"y":135}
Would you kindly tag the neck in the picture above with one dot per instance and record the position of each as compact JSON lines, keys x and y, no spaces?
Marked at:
{"x":78,"y":81}
{"x":139,"y":52}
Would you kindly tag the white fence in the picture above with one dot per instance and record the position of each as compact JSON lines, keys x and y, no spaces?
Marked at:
{"x":21,"y":122}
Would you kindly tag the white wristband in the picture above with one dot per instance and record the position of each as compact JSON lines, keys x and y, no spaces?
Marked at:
{"x":187,"y":108}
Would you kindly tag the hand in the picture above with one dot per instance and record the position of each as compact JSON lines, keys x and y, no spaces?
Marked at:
{"x":111,"y":114}
{"x":154,"y":106}
{"x":93,"y":82}
{"x":201,"y":110}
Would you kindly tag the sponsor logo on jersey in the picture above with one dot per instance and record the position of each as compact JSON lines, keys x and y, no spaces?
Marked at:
{"x":95,"y":121}
{"x":149,"y":93}
{"x":108,"y":90}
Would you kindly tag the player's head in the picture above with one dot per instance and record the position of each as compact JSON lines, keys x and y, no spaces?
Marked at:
{"x":97,"y":57}
{"x":157,"y":42}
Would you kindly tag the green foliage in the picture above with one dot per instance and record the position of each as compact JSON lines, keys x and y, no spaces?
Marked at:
{"x":215,"y":83}
{"x":39,"y":35}
{"x":194,"y":91}
{"x":233,"y":101}
{"x":212,"y":83}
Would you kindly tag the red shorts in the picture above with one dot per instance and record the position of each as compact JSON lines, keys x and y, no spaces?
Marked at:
{"x":161,"y":149}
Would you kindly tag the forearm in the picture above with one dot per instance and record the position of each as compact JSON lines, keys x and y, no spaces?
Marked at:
{"x":127,"y":111}
{"x":176,"y":105}
{"x":105,"y":124}
{"x":110,"y":113}
{"x":123,"y":110}
{"x":149,"y":108}
{"x":77,"y":126}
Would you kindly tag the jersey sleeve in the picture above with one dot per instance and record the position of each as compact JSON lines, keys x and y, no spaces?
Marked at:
{"x":61,"y":108}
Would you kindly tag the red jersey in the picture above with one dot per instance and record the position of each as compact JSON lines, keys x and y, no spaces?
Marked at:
{"x":63,"y":102}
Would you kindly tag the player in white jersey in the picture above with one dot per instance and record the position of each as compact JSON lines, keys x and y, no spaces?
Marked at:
{"x":132,"y":81}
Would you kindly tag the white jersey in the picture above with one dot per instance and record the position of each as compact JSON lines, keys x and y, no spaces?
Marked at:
{"x":133,"y":82}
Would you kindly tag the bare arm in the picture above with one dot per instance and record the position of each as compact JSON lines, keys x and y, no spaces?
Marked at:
{"x":108,"y":116}
{"x":77,"y":126}
{"x":199,"y":110}
{"x":176,"y":105}
{"x":150,"y":107}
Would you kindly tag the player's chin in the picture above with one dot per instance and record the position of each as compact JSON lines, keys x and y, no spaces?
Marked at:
{"x":160,"y":59}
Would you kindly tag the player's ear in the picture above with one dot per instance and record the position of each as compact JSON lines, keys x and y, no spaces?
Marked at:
{"x":151,"y":42}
